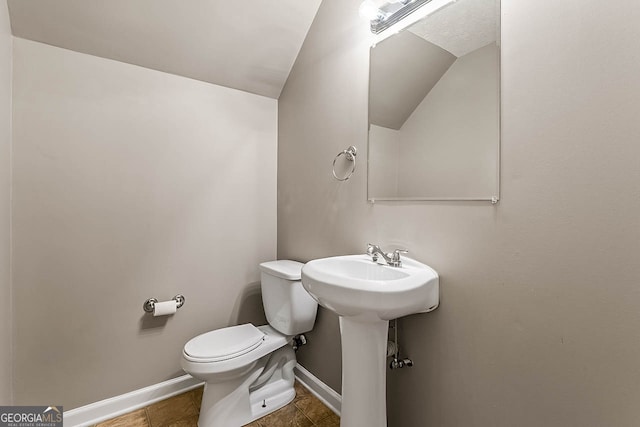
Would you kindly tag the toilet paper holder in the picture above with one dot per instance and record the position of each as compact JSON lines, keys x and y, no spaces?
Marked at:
{"x":149,"y":304}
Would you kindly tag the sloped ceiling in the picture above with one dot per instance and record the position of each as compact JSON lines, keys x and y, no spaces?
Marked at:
{"x":404,"y":69}
{"x":249,"y":45}
{"x":462,"y":27}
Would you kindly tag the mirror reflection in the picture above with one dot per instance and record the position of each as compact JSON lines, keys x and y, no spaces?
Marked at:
{"x":434,"y":107}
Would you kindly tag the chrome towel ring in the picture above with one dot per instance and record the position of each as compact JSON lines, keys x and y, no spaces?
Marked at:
{"x":349,"y":154}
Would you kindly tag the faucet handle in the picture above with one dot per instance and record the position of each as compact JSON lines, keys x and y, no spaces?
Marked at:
{"x":395,"y":256}
{"x":372,"y":251}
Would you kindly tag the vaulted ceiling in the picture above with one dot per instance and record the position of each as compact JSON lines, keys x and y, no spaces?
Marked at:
{"x":461,"y":27}
{"x":249,"y":45}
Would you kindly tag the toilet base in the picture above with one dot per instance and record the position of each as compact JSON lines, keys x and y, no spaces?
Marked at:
{"x":237,"y":402}
{"x":272,"y":398}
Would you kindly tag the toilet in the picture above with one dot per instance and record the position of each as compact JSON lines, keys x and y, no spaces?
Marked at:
{"x":247,"y":369}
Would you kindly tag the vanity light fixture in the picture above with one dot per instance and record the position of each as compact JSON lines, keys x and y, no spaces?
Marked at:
{"x":391,"y":16}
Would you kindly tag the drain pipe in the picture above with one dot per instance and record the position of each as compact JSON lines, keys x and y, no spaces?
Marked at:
{"x":393,"y":348}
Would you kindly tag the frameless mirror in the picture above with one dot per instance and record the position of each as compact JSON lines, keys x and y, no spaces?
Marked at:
{"x":434,"y":107}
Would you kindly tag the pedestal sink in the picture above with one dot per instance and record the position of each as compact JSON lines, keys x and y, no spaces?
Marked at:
{"x":366,"y":295}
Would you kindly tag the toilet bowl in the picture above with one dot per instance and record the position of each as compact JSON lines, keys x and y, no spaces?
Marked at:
{"x":248,"y":370}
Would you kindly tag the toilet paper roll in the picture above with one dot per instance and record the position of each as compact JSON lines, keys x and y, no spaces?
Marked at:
{"x":164,"y":308}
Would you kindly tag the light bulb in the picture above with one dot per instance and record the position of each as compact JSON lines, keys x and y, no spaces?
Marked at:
{"x":369,"y":10}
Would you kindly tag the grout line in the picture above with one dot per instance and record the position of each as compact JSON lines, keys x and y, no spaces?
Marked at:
{"x":305,"y":415}
{"x":146,"y":415}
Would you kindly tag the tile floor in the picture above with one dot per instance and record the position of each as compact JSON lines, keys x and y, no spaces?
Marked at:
{"x":182,"y":411}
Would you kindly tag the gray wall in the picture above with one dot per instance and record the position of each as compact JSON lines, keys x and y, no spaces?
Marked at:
{"x":449,"y":144}
{"x":128,"y":184}
{"x":382,"y":162}
{"x":539,"y":316}
{"x":5,"y":206}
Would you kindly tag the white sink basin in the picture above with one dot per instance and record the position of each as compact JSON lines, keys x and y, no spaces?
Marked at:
{"x":354,"y":285}
{"x":366,"y":295}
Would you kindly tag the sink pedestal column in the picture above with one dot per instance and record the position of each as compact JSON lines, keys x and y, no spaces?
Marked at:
{"x":364,"y":376}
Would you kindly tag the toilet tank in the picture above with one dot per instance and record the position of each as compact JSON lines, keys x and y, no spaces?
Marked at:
{"x":289,"y":308}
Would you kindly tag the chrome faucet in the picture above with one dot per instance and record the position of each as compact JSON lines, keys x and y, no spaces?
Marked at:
{"x":392,"y":258}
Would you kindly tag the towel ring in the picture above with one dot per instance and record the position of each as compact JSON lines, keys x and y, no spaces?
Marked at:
{"x":349,"y":154}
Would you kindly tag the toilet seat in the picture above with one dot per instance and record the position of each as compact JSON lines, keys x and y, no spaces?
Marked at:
{"x":273,"y":340}
{"x":224,"y":344}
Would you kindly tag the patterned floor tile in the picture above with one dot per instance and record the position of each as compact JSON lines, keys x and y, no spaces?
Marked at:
{"x":133,"y":419}
{"x":301,"y":391}
{"x":166,"y":412}
{"x":182,"y":411}
{"x":289,"y":416}
{"x":331,"y":421}
{"x":191,"y":421}
{"x":196,"y":395}
{"x":313,"y":408}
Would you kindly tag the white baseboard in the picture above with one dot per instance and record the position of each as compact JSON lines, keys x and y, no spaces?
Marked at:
{"x":125,"y":403}
{"x":326,"y":394}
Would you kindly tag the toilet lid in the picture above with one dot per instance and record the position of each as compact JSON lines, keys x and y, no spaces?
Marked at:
{"x":224,"y":344}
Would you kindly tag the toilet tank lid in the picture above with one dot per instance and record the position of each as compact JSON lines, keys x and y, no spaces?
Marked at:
{"x":285,"y":269}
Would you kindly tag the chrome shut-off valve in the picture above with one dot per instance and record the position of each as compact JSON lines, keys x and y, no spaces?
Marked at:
{"x":393,"y":350}
{"x":298,"y":341}
{"x":400,"y":363}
